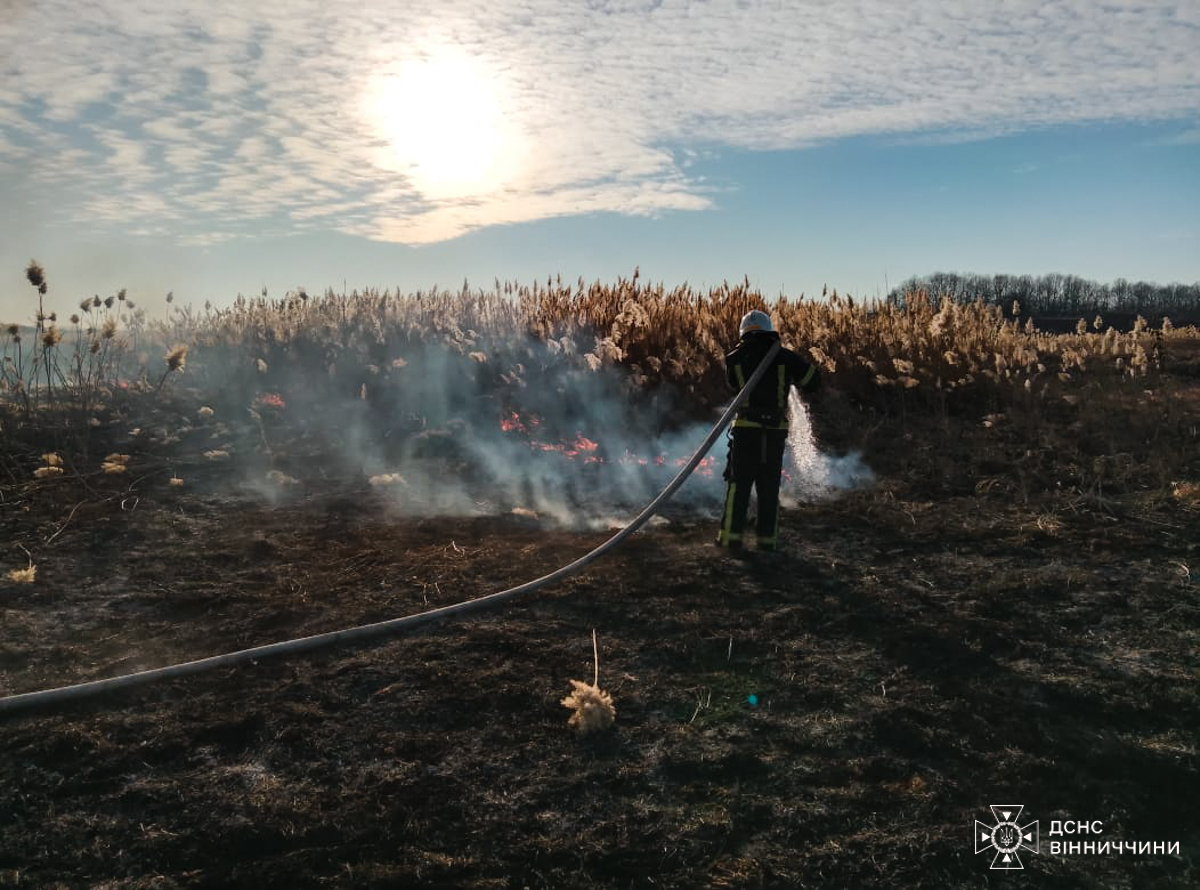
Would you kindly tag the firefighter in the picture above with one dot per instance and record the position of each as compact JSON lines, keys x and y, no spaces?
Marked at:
{"x":759,"y":430}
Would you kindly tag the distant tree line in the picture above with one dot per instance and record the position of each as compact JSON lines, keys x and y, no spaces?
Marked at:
{"x":1064,"y":297}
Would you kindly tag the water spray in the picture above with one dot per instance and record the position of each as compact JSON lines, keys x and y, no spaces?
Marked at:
{"x":815,"y":475}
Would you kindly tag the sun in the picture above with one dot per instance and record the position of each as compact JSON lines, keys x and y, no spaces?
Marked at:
{"x":444,"y":124}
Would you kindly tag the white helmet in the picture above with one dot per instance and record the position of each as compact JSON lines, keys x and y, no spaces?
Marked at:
{"x":756,"y":320}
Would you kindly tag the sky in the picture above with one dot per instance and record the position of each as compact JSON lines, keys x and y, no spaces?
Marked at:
{"x":214,"y":149}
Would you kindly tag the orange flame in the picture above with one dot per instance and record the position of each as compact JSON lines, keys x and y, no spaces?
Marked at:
{"x":584,"y":446}
{"x":514,"y":421}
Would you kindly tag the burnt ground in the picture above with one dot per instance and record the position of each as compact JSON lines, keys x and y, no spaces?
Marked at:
{"x":914,"y":658}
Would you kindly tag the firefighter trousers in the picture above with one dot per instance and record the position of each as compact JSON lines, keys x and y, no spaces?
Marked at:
{"x":755,"y":461}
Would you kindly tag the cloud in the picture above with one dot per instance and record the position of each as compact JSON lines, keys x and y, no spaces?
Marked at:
{"x":416,"y":123}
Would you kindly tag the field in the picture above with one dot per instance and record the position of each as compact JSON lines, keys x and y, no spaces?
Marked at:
{"x":1006,"y":612}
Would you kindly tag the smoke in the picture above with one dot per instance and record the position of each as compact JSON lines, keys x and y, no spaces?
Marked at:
{"x":583,"y":456}
{"x":814,"y":475}
{"x":435,"y":432}
{"x":491,"y":429}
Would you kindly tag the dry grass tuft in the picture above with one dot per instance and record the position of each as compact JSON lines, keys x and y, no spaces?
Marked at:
{"x":216,"y":455}
{"x":114,"y":464}
{"x":23,"y":576}
{"x":384,"y":480}
{"x":593,"y":707}
{"x":1188,"y":494}
{"x":176,"y":359}
{"x":276,"y":477}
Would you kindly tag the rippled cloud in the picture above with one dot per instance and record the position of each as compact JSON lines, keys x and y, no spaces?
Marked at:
{"x":417,"y":124}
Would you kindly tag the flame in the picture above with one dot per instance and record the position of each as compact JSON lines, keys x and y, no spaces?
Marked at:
{"x":269,"y":400}
{"x":582,"y":446}
{"x":582,"y":443}
{"x":513,"y":421}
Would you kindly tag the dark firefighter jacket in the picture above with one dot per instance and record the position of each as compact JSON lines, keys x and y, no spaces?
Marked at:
{"x":768,"y":402}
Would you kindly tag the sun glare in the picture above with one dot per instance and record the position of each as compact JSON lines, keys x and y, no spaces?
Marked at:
{"x":444,"y":123}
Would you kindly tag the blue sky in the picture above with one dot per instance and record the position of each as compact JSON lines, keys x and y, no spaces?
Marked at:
{"x":210,"y":149}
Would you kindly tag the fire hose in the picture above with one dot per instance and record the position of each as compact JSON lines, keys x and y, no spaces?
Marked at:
{"x":28,"y":700}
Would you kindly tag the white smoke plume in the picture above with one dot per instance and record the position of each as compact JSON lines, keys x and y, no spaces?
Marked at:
{"x":574,"y":446}
{"x":522,"y":432}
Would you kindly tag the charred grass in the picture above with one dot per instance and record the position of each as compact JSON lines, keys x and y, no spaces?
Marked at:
{"x":1009,"y":614}
{"x":912,"y":659}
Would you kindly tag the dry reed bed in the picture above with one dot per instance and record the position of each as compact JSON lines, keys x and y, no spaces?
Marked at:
{"x":930,"y":357}
{"x":678,"y":336}
{"x":932,"y":345}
